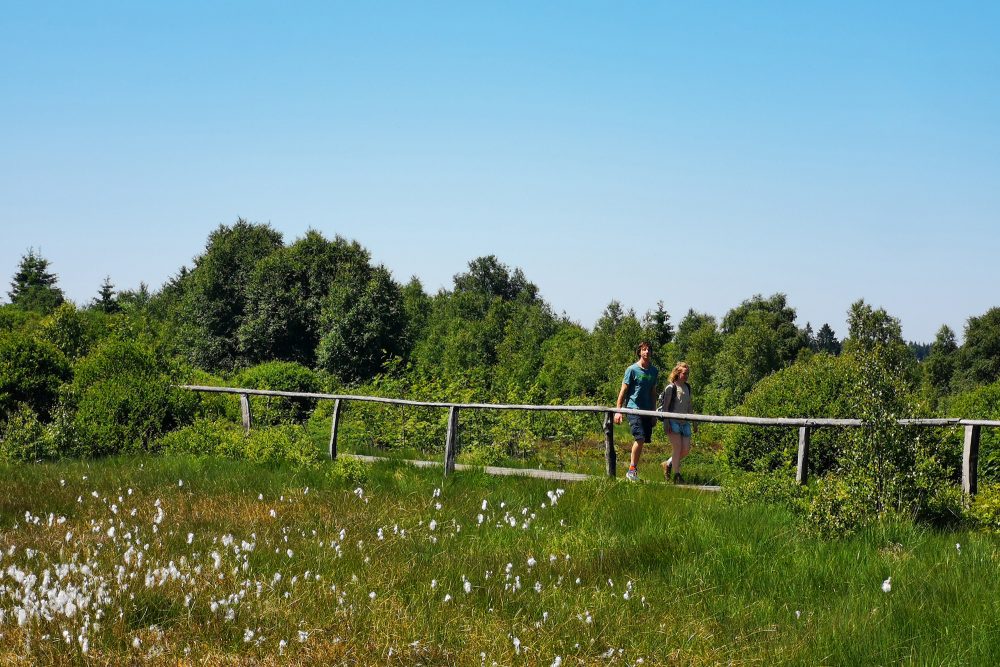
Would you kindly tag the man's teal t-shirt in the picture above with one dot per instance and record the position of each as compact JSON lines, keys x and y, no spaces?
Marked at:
{"x":641,"y":383}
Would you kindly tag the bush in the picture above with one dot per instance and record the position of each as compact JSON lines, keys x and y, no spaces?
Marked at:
{"x":23,"y":437}
{"x":777,"y":487}
{"x":124,"y":400}
{"x":31,"y":372}
{"x":820,"y":386}
{"x":279,"y":376}
{"x":985,"y":508}
{"x":838,"y":507}
{"x":275,"y":445}
{"x":350,"y":471}
{"x":980,"y":403}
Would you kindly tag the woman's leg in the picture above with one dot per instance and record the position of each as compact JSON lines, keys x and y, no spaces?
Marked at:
{"x":676,"y":447}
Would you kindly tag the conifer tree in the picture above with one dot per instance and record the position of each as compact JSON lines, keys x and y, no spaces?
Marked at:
{"x":34,"y":286}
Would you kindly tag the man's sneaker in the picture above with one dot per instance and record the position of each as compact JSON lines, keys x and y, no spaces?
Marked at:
{"x":632,"y":475}
{"x":666,"y":468}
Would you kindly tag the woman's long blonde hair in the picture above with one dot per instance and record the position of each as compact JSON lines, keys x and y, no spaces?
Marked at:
{"x":681,"y":365}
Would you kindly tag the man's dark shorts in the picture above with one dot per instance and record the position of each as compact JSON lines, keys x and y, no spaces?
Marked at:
{"x":642,"y":427}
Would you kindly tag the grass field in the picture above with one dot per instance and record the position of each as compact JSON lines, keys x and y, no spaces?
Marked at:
{"x":178,"y":560}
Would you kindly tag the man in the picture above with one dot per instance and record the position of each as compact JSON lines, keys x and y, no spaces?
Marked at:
{"x":639,"y":389}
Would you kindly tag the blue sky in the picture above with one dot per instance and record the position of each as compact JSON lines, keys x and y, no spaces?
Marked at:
{"x":695,"y":153}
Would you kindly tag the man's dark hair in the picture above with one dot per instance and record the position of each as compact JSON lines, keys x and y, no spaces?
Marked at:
{"x":642,"y":344}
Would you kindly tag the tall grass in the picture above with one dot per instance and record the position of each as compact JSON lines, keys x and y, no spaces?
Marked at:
{"x":391,"y":565}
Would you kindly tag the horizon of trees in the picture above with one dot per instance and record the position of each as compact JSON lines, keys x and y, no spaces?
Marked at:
{"x":251,"y":298}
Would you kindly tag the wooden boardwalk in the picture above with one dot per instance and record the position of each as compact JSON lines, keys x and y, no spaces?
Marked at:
{"x":516,"y":472}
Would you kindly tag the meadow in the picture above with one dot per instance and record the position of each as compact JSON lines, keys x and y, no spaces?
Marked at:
{"x":180,"y":560}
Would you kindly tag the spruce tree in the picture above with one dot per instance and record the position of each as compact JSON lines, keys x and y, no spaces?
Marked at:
{"x":106,"y":301}
{"x":34,"y":286}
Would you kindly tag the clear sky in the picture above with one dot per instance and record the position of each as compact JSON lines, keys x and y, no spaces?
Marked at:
{"x":694,"y":152}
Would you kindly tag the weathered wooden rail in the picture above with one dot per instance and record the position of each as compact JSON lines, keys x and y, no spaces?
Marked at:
{"x":970,"y":449}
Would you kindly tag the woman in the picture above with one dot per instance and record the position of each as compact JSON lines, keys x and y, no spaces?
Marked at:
{"x":676,"y":398}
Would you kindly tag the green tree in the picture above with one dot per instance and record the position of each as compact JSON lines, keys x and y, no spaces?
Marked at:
{"x":656,"y":326}
{"x":826,"y":340}
{"x":873,"y":328}
{"x":748,"y":354}
{"x":286,"y":294}
{"x":34,"y":286}
{"x":106,"y":301}
{"x":363,"y":327}
{"x":698,"y":341}
{"x":776,"y":313}
{"x":978,"y":360}
{"x":31,"y":372}
{"x":939,"y":366}
{"x":212,"y":297}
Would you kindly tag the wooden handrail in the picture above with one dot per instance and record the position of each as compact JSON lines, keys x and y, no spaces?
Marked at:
{"x":970,"y":457}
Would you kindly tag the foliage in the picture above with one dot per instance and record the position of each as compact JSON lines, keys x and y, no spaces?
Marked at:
{"x":748,"y":354}
{"x":979,"y":403}
{"x":837,"y":507}
{"x":364,"y":326}
{"x":984,"y":510}
{"x":275,"y":445}
{"x":279,"y":376}
{"x":939,"y":366}
{"x":31,"y":372}
{"x":105,"y":300}
{"x":978,"y":361}
{"x":124,"y":399}
{"x":349,"y":471}
{"x":826,"y":340}
{"x":287,"y":294}
{"x":22,"y":437}
{"x":821,"y":386}
{"x":72,"y":331}
{"x":770,"y":487}
{"x":34,"y":287}
{"x":212,"y":297}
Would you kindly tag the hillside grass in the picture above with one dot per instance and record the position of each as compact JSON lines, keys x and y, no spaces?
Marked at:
{"x":202,"y":561}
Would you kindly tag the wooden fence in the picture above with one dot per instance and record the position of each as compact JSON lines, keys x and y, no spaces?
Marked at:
{"x":970,"y":449}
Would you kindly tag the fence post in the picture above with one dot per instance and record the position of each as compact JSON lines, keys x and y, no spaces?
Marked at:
{"x":970,"y":460}
{"x":609,"y":444}
{"x":451,"y":442}
{"x":333,"y":429}
{"x":802,"y":471}
{"x":245,"y":410}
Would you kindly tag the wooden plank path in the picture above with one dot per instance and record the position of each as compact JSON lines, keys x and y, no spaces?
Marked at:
{"x":516,"y":472}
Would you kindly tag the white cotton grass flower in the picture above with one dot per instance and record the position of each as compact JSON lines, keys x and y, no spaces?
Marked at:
{"x":190,"y":538}
{"x":447,"y":597}
{"x":136,"y":643}
{"x":281,"y":647}
{"x":371,"y":595}
{"x":531,"y":561}
{"x":887,"y":585}
{"x":958,"y":547}
{"x":303,"y":636}
{"x":557,"y":662}
{"x":433,"y":524}
{"x":517,"y":646}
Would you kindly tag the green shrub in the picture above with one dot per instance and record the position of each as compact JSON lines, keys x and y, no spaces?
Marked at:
{"x":979,"y":403}
{"x":279,"y":376}
{"x":350,"y":471}
{"x":820,"y":386}
{"x":124,"y":400}
{"x":23,"y":437}
{"x":984,"y":510}
{"x":274,"y":445}
{"x":31,"y":372}
{"x":777,"y":487}
{"x":838,"y":507}
{"x":71,"y":331}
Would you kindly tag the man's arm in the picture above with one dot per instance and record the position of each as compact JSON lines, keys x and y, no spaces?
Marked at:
{"x":618,"y":404}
